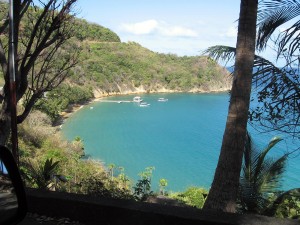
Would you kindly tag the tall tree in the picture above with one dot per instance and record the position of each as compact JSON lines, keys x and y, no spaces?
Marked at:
{"x":224,"y":189}
{"x":43,"y":57}
{"x":277,"y":87}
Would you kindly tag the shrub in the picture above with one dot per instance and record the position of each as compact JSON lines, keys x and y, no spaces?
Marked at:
{"x":193,"y":196}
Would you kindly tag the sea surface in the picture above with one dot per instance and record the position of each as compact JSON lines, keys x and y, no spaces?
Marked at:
{"x":181,"y":138}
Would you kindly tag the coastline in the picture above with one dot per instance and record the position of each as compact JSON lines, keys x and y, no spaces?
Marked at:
{"x":98,"y":95}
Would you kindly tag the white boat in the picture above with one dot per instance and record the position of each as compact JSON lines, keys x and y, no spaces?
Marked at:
{"x":144,"y":104}
{"x":137,"y":99}
{"x":162,"y":100}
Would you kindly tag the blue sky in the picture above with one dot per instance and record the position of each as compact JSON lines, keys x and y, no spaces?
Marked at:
{"x":167,"y":26}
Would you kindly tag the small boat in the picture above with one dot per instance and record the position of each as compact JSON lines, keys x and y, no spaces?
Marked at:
{"x":144,"y":104}
{"x":162,"y":100}
{"x":137,"y":99}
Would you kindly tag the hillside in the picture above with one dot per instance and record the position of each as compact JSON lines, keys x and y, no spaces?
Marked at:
{"x":121,"y":68}
{"x":84,"y":30}
{"x":108,"y":67}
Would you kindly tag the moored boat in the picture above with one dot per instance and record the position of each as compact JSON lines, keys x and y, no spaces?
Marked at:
{"x":162,"y":100}
{"x":137,"y":99}
{"x":144,"y":104}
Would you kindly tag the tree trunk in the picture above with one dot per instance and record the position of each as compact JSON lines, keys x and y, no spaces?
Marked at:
{"x":224,"y":189}
{"x":4,"y":124}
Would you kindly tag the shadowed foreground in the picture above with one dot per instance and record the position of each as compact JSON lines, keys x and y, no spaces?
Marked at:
{"x":93,"y":210}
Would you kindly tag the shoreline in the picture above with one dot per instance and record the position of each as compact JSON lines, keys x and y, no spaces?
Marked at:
{"x":76,"y":107}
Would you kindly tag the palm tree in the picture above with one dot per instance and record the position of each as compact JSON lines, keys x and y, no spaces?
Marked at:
{"x":260,"y":176}
{"x":278,"y":88}
{"x":224,"y":189}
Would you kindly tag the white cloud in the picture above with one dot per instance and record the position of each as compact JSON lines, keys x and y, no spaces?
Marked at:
{"x":160,"y":28}
{"x":145,"y":27}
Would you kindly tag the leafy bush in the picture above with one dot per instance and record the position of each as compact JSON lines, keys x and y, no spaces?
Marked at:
{"x":59,"y":99}
{"x":163,"y":183}
{"x":42,"y":175}
{"x":193,"y":196}
{"x":289,"y":208}
{"x":142,"y":189}
{"x":35,"y":129}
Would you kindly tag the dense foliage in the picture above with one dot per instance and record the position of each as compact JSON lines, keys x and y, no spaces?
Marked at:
{"x":48,"y":162}
{"x":192,"y":196}
{"x":59,"y":99}
{"x":91,"y":31}
{"x":123,"y":67}
{"x":261,"y":176}
{"x":107,"y":66}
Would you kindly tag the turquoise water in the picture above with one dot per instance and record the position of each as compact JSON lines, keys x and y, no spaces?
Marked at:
{"x":181,"y":138}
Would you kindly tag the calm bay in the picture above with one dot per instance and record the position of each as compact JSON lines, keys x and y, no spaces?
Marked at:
{"x":181,"y":138}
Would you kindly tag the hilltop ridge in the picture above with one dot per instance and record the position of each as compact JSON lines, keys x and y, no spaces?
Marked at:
{"x":121,"y":68}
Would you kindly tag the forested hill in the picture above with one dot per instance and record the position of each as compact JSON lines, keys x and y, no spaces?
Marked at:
{"x":91,"y":31}
{"x":113,"y":67}
{"x":108,"y":66}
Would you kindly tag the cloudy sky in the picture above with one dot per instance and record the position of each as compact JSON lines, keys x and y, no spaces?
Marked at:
{"x":182,"y":27}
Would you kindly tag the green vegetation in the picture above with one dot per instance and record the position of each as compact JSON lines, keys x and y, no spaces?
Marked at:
{"x":47,"y":162}
{"x":42,"y":176}
{"x":163,"y":183}
{"x":108,"y":66}
{"x":260,"y":177}
{"x":142,"y":189}
{"x":193,"y":196}
{"x":100,"y":63}
{"x":105,"y":65}
{"x":120,"y":67}
{"x":61,"y":98}
{"x":260,"y":183}
{"x":93,"y":32}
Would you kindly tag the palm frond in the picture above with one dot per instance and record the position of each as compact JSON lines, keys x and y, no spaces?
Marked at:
{"x":278,"y":91}
{"x":272,"y":175}
{"x":221,"y":52}
{"x":248,"y":156}
{"x":251,"y":154}
{"x":288,"y":40}
{"x":261,"y":162}
{"x":271,"y":15}
{"x":261,"y":175}
{"x":278,"y":94}
{"x":49,"y":168}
